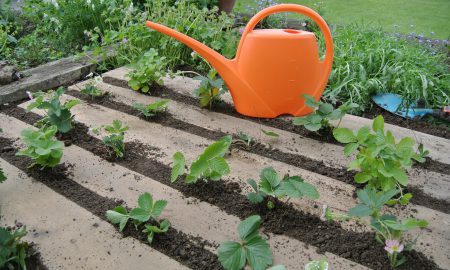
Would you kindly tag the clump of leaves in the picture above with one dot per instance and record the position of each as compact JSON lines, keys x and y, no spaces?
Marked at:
{"x":272,"y":185}
{"x":13,"y":251}
{"x":58,"y":114}
{"x":115,"y":139}
{"x":42,"y":147}
{"x":381,"y":162}
{"x":91,"y":87}
{"x":149,"y":69}
{"x":323,"y":113}
{"x":317,"y":265}
{"x":211,"y":164}
{"x":210,"y":89}
{"x":387,"y":227}
{"x":151,"y":109}
{"x":148,"y":210}
{"x":251,"y":250}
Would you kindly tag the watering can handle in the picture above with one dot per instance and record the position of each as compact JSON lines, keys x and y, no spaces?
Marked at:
{"x":298,"y":9}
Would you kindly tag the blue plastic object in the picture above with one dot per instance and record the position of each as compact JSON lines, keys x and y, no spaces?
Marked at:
{"x":393,"y":103}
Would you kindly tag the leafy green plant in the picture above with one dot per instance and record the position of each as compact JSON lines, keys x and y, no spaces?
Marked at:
{"x":388,"y":228}
{"x":115,"y":139}
{"x":58,"y":114}
{"x":210,"y":89}
{"x":147,"y":210}
{"x":149,"y":69}
{"x":381,"y":162}
{"x":42,"y":147}
{"x":211,"y":164}
{"x":2,"y":176}
{"x":323,"y":113}
{"x":13,"y":251}
{"x":317,"y":265}
{"x":251,"y":250}
{"x":272,"y":185}
{"x":151,"y":109}
{"x":91,"y":87}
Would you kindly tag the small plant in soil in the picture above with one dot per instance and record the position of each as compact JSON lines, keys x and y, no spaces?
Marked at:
{"x":151,"y":109}
{"x":244,"y":139}
{"x":323,"y":113}
{"x":42,"y":147}
{"x":115,"y":139}
{"x":271,"y":185}
{"x":251,"y":250}
{"x":148,"y":211}
{"x":211,"y":164}
{"x":381,"y":162}
{"x":210,"y":89}
{"x":13,"y":252}
{"x":317,"y":265}
{"x":2,"y":176}
{"x":389,"y":230}
{"x":91,"y":87}
{"x":148,"y":70}
{"x":58,"y":114}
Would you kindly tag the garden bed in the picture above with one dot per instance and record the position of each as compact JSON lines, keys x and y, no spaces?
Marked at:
{"x":77,"y":194}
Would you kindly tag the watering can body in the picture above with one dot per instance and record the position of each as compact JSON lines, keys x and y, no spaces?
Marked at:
{"x":273,"y":68}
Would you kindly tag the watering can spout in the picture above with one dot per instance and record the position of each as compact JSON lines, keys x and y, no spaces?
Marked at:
{"x":223,"y":66}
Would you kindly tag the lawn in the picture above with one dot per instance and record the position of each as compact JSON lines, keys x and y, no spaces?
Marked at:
{"x":405,"y":16}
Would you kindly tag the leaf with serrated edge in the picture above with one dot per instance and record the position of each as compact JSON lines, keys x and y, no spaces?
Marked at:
{"x":231,"y":255}
{"x":158,"y":207}
{"x":178,"y":166}
{"x":258,"y":253}
{"x":249,"y":226}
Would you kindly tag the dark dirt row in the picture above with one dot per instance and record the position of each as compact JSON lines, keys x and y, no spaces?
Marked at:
{"x":297,"y":160}
{"x":184,"y":248}
{"x":286,"y":220}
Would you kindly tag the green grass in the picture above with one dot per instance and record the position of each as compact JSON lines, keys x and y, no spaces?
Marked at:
{"x":404,"y":16}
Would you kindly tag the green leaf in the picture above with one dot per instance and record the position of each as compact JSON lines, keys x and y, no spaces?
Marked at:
{"x":350,"y":148}
{"x":362,"y":177}
{"x":399,"y":175}
{"x":270,"y":133}
{"x":313,"y":126}
{"x":307,"y":189}
{"x":310,"y":101}
{"x":118,"y":215}
{"x":385,"y":197}
{"x":325,"y":108}
{"x":344,"y":135}
{"x":255,"y":197}
{"x":300,"y":121}
{"x":258,"y":253}
{"x":270,"y":175}
{"x":360,"y":210}
{"x":140,"y":214}
{"x":253,"y":184}
{"x":363,"y":133}
{"x":231,"y":255}
{"x":2,"y":176}
{"x":178,"y":166}
{"x":145,"y":201}
{"x":219,"y":165}
{"x":408,"y":224}
{"x":249,"y":227}
{"x":378,"y":124}
{"x":404,"y":147}
{"x":158,"y":207}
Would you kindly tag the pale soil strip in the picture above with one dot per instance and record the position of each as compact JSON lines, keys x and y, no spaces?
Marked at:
{"x":439,"y":147}
{"x":432,"y":183}
{"x":185,"y":214}
{"x":68,"y":236}
{"x":244,"y":165}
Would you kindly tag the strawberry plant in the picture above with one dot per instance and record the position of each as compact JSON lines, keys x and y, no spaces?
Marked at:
{"x":147,"y":210}
{"x":42,"y":147}
{"x":115,"y":139}
{"x":149,"y":69}
{"x":91,"y":87}
{"x":272,"y":185}
{"x":58,"y":114}
{"x":151,"y":109}
{"x":244,"y":139}
{"x":381,"y":162}
{"x":251,"y":250}
{"x":210,"y":89}
{"x":209,"y":165}
{"x":13,"y":251}
{"x":323,"y":113}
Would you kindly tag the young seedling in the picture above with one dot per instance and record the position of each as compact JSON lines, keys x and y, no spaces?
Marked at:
{"x":58,"y":114}
{"x":151,"y":109}
{"x":13,"y":251}
{"x":42,"y":147}
{"x":381,"y":162}
{"x":244,"y":139}
{"x":211,"y":164}
{"x":91,"y":87}
{"x":147,"y":210}
{"x":115,"y":139}
{"x":323,"y":113}
{"x":251,"y":250}
{"x":149,"y":69}
{"x":273,"y":186}
{"x":210,"y":89}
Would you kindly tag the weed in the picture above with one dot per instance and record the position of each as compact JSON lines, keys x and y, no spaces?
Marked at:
{"x":151,"y":109}
{"x":272,"y":185}
{"x":147,"y":210}
{"x":2,"y":176}
{"x":210,"y":89}
{"x":42,"y":147}
{"x":149,"y":69}
{"x":209,"y":165}
{"x":244,"y":139}
{"x":13,"y":251}
{"x":58,"y":114}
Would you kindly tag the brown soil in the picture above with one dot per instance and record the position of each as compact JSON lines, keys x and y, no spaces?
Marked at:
{"x":184,"y":248}
{"x":297,"y":160}
{"x":359,"y":247}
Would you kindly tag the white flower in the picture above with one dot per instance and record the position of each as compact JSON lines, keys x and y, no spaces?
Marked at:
{"x":88,"y":2}
{"x":30,"y":95}
{"x":98,"y":79}
{"x":89,"y":75}
{"x":93,"y":7}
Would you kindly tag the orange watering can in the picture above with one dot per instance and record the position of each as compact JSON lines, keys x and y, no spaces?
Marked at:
{"x":273,"y":68}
